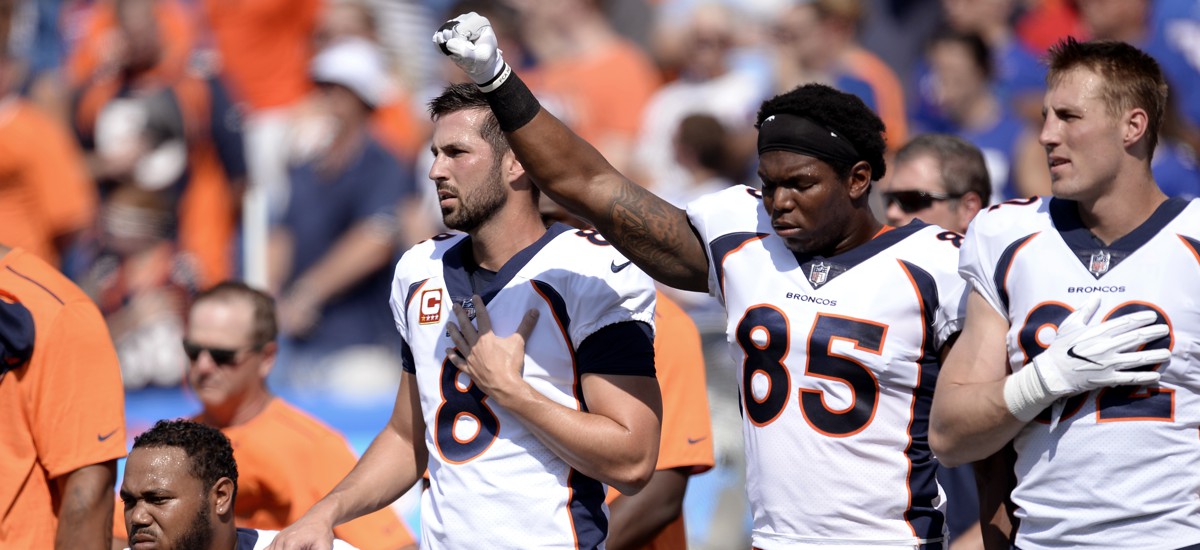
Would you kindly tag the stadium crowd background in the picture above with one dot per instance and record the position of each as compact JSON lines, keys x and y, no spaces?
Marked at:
{"x":152,"y":148}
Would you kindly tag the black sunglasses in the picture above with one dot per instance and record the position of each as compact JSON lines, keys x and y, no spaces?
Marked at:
{"x":220,"y":356}
{"x":915,"y":201}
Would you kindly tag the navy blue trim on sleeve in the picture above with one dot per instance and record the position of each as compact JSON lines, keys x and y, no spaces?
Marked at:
{"x":625,"y":348}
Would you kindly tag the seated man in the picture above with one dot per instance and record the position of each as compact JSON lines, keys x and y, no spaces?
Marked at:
{"x":179,"y":491}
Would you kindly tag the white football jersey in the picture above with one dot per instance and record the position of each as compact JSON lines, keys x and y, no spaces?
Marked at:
{"x":493,"y":484}
{"x":838,"y":359}
{"x":1121,"y":469}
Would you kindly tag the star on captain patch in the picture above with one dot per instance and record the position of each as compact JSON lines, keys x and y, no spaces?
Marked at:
{"x":1100,"y":263}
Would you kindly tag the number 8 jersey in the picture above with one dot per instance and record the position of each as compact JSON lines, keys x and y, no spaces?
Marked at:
{"x":493,"y":484}
{"x":1121,"y":468}
{"x":838,"y":359}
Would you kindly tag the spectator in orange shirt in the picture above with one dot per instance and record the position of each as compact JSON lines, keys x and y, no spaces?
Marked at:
{"x":145,"y":123}
{"x":580,"y":59}
{"x":287,"y":459}
{"x":46,"y":197}
{"x":63,"y":408}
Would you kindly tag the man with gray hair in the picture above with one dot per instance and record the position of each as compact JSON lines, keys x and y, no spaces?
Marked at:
{"x":939,"y":178}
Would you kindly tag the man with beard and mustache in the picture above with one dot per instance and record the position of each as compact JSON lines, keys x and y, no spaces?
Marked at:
{"x":179,"y":490}
{"x":521,"y":433}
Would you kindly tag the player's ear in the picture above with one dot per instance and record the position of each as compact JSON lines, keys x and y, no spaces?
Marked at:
{"x":221,"y":497}
{"x":1135,"y":125}
{"x":511,"y":167}
{"x":859,"y":183}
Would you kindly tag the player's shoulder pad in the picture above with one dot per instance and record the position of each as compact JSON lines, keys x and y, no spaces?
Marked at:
{"x":1017,"y":215}
{"x":424,"y":258}
{"x":733,"y":197}
{"x":733,"y":208}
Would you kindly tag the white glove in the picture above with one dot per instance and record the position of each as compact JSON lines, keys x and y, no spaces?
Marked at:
{"x":469,"y":41}
{"x":1084,"y":358}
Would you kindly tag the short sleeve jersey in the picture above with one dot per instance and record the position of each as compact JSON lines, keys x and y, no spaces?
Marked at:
{"x":492,"y":482}
{"x":1121,"y":468}
{"x":838,"y":357}
{"x":63,"y":410}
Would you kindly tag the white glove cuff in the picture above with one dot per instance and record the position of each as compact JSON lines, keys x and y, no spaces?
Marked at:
{"x":1026,"y":394}
{"x":496,"y":79}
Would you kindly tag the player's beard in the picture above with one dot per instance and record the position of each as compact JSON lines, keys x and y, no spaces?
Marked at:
{"x":477,"y":208}
{"x":199,"y":534}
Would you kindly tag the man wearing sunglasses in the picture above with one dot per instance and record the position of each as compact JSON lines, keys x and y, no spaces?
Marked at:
{"x":286,"y":458}
{"x":938,"y":178}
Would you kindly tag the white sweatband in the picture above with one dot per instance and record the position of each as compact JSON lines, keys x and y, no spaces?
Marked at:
{"x":1026,"y":394}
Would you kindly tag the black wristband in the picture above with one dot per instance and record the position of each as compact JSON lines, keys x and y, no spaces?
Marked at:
{"x":513,"y":103}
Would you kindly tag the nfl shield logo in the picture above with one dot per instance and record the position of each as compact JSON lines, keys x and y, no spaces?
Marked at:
{"x":819,"y":274}
{"x":469,"y":306}
{"x":1100,"y":263}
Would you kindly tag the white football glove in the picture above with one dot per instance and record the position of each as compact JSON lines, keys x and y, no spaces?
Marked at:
{"x":1083,"y":358}
{"x":469,"y":41}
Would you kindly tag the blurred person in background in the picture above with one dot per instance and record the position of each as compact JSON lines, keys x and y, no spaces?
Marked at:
{"x":264,"y":49}
{"x":943,"y":180}
{"x":709,"y":83}
{"x":148,"y":123}
{"x":578,"y":58}
{"x":142,"y":284}
{"x":1018,"y":76}
{"x":46,"y":197}
{"x":331,"y":255}
{"x":816,"y":41}
{"x":287,"y":459}
{"x":63,"y":410}
{"x":394,"y":122}
{"x":962,"y":79}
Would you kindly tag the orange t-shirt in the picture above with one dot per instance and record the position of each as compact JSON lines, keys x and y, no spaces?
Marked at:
{"x":264,"y":47}
{"x":287,"y":460}
{"x":45,"y":191}
{"x":686,"y":440}
{"x":176,"y":34}
{"x":600,"y":95}
{"x":63,"y":410}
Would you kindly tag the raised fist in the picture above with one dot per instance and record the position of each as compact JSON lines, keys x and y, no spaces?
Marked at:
{"x":469,"y":41}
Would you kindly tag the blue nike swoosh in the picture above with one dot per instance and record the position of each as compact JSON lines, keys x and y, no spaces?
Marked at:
{"x":102,"y":438}
{"x":615,"y":267}
{"x":1071,"y":353}
{"x":695,"y":441}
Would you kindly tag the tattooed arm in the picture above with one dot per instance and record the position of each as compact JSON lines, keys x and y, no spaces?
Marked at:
{"x":645,"y":228}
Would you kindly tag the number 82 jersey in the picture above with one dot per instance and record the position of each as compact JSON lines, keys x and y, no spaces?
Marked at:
{"x":838,"y":358}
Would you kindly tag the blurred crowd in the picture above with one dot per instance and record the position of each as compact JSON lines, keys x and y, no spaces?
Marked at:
{"x":152,"y":148}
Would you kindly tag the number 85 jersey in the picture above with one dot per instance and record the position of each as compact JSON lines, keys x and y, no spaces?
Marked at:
{"x":493,"y":483}
{"x":838,"y":358}
{"x":1121,"y":467}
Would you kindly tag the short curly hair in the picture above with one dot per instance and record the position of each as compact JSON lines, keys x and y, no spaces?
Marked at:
{"x":839,"y":111}
{"x":209,"y":452}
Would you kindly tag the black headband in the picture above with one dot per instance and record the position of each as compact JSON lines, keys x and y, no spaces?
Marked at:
{"x":784,"y":132}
